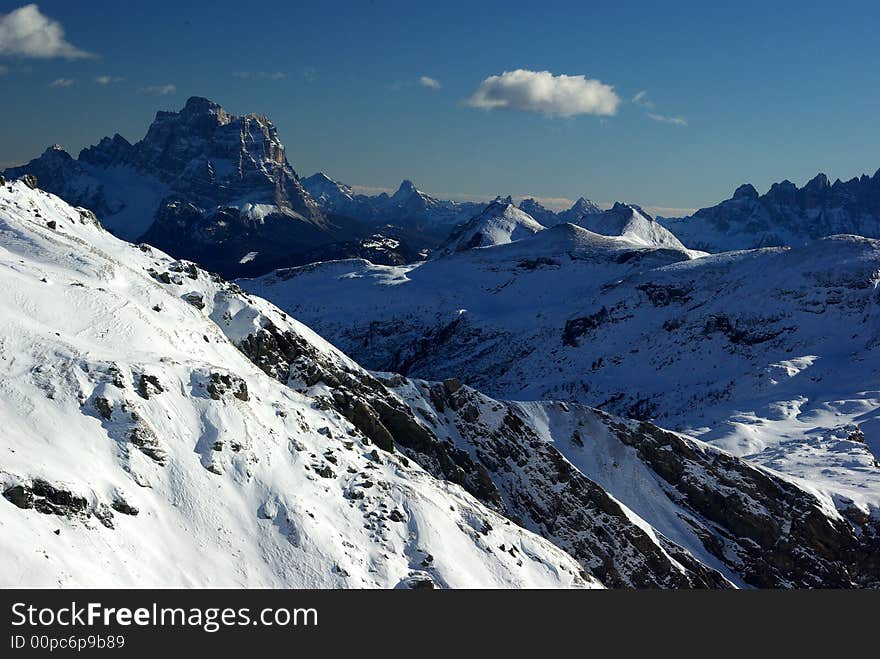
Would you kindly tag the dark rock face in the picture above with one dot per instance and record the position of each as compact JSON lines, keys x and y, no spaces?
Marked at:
{"x":45,"y":498}
{"x":20,"y":496}
{"x":149,"y":385}
{"x":195,"y":299}
{"x":122,"y":506}
{"x":775,"y":533}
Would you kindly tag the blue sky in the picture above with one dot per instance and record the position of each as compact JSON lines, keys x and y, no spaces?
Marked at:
{"x":749,"y":92}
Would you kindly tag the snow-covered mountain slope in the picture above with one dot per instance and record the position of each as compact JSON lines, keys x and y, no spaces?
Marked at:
{"x":629,"y":222}
{"x":140,"y":447}
{"x":329,"y":194}
{"x":770,"y":354}
{"x":161,"y":427}
{"x":499,"y":223}
{"x":785,"y":215}
{"x":704,"y":508}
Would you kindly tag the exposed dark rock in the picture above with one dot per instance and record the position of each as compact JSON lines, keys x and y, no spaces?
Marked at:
{"x":104,"y":407}
{"x":221,"y":383}
{"x":20,"y":496}
{"x":147,"y":443}
{"x":195,"y":299}
{"x":148,"y":385}
{"x":120,"y":505}
{"x":662,"y":296}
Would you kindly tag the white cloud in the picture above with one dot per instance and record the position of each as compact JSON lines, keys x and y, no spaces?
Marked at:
{"x":26,"y":32}
{"x":159,"y":90}
{"x":430,"y":83}
{"x":642,"y":99}
{"x":665,"y":211}
{"x":259,"y":75}
{"x":106,"y":80}
{"x":61,"y":82}
{"x":676,"y":121}
{"x":545,"y":93}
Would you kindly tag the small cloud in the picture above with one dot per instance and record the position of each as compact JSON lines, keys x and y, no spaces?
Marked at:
{"x":61,"y":82}
{"x":551,"y":203}
{"x":641,"y":99}
{"x":310,"y":73}
{"x":430,"y":83}
{"x":371,"y":190}
{"x":159,"y":90}
{"x":3,"y":70}
{"x":107,"y":80}
{"x":676,"y":121}
{"x":544,"y":93}
{"x":665,"y":211}
{"x":259,"y":75}
{"x":26,"y":32}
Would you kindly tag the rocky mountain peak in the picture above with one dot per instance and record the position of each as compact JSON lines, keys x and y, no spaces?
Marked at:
{"x":584,"y":205}
{"x":109,"y":151}
{"x":817,"y":183}
{"x":407,"y":189}
{"x":746,"y":191}
{"x":198,"y":108}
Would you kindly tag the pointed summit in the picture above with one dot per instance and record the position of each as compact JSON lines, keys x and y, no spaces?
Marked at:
{"x":579,"y":210}
{"x":817,"y":183}
{"x":745,"y":191}
{"x":500,"y":222}
{"x":407,"y":189}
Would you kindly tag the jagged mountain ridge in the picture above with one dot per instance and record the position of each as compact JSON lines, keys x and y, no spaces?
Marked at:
{"x":784,"y":216}
{"x":212,"y":187}
{"x":257,"y":454}
{"x":408,"y":208}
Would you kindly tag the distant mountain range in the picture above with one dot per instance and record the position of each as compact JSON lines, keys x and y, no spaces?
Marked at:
{"x":219,"y":189}
{"x":785,"y":215}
